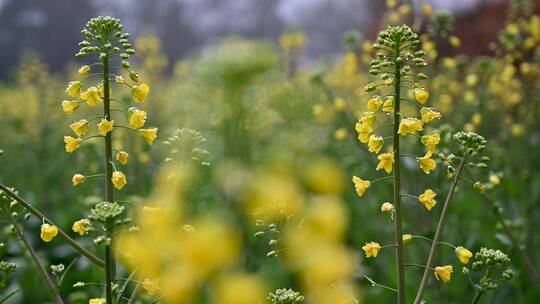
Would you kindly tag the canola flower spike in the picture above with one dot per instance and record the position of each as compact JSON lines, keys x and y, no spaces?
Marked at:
{"x":443,"y":273}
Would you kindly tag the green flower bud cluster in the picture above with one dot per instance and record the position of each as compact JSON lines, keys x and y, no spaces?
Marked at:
{"x":7,"y":267}
{"x":491,"y":262}
{"x":57,"y":269}
{"x":6,"y":201}
{"x":272,"y":232}
{"x":285,"y":296}
{"x":470,"y":142}
{"x":105,"y":210}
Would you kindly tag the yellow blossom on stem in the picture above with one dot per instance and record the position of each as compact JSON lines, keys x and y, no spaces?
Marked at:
{"x":122,"y":157}
{"x":72,"y":143}
{"x":136,"y":118}
{"x":69,"y":106}
{"x":386,"y":161}
{"x":84,"y":70}
{"x":360,"y":185}
{"x":388,"y":105}
{"x":407,"y":238}
{"x":429,"y":114}
{"x":91,"y":96}
{"x":97,"y":301}
{"x":105,"y":126}
{"x":148,"y":134}
{"x":387,"y":207}
{"x":431,"y":141}
{"x":426,"y":163}
{"x":371,"y":249}
{"x":150,"y":286}
{"x":368,"y":118}
{"x":463,"y":254}
{"x":409,"y":126}
{"x":48,"y":232}
{"x":78,"y":179}
{"x":80,"y":128}
{"x":428,"y":199}
{"x":421,"y":95}
{"x":443,"y":273}
{"x":375,"y":144}
{"x":118,"y":179}
{"x":364,"y":132}
{"x":494,"y":179}
{"x":74,"y":89}
{"x":81,"y":226}
{"x":375,"y":103}
{"x":140,"y":92}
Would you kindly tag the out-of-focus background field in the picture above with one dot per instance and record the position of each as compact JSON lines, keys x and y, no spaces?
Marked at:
{"x":249,"y":90}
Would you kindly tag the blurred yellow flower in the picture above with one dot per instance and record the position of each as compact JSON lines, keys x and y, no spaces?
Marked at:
{"x":375,"y":103}
{"x":360,"y":185}
{"x":148,"y":134}
{"x":240,"y":289}
{"x":69,"y":106}
{"x":105,"y":126}
{"x":151,"y":287}
{"x":48,"y":232}
{"x":340,"y":134}
{"x":387,"y":207}
{"x":72,"y":143}
{"x":429,"y":114}
{"x":74,"y":89}
{"x":78,"y":179}
{"x":409,"y":126}
{"x":371,"y":249}
{"x":81,"y":226}
{"x":386,"y":161}
{"x":83,"y":70}
{"x":454,"y":41}
{"x":122,"y":157}
{"x":80,"y":128}
{"x":426,"y":163}
{"x":375,"y":144}
{"x":340,"y":104}
{"x":91,"y":96}
{"x":406,"y":238}
{"x":97,"y":301}
{"x":421,"y":95}
{"x":428,"y":199}
{"x":140,"y":92}
{"x":118,"y":179}
{"x":494,"y":179}
{"x":443,"y":272}
{"x":463,"y":254}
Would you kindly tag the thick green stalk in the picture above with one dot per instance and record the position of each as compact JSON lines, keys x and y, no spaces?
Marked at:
{"x":61,"y":232}
{"x":52,"y":288}
{"x":477,"y":296}
{"x":438,"y":232}
{"x":110,"y":264}
{"x":400,"y":264}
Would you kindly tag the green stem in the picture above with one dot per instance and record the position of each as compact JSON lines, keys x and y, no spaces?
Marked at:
{"x":110,"y":264}
{"x":52,"y":288}
{"x":438,"y":232}
{"x":477,"y":296}
{"x":400,"y":265}
{"x":61,"y":232}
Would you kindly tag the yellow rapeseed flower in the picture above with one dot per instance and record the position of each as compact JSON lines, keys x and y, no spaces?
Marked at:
{"x":118,"y":179}
{"x":80,"y":128}
{"x":375,"y":103}
{"x":360,"y":185}
{"x":406,"y":238}
{"x":48,"y":232}
{"x":409,"y":126}
{"x":463,"y":254}
{"x":444,"y":273}
{"x":74,"y":89}
{"x":69,"y":106}
{"x":136,"y":117}
{"x":122,"y":157}
{"x":140,"y":92}
{"x":240,"y":289}
{"x":429,"y":114}
{"x":426,"y":163}
{"x":364,"y":131}
{"x":388,"y":105}
{"x":148,"y":134}
{"x":78,"y":179}
{"x":97,"y":301}
{"x":72,"y":143}
{"x":150,"y":286}
{"x":375,"y":144}
{"x":428,"y":199}
{"x":81,"y":226}
{"x":387,"y":207}
{"x":421,"y":95}
{"x":91,"y":96}
{"x":83,"y":70}
{"x":431,"y":141}
{"x":386,"y":161}
{"x":105,"y":126}
{"x":371,"y":249}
